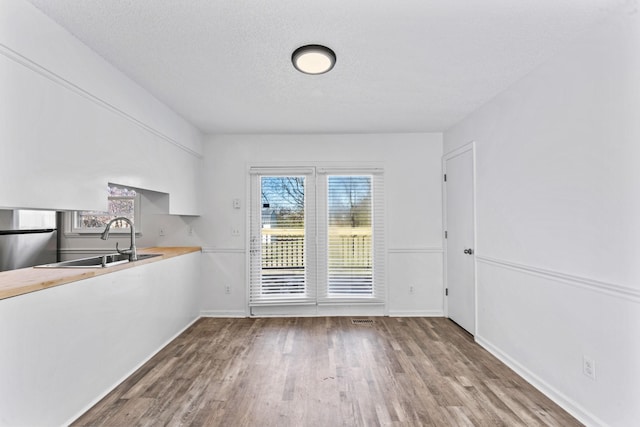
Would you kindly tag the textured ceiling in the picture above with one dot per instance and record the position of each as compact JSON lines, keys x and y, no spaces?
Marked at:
{"x":403,"y":65}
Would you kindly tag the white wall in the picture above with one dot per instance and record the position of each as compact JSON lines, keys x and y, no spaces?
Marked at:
{"x":558,"y":186}
{"x":414,"y":216}
{"x":70,"y":123}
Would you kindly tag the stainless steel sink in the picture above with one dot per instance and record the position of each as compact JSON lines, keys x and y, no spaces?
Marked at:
{"x":101,"y":261}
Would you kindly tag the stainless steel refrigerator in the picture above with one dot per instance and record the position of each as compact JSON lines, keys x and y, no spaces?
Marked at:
{"x":26,"y":247}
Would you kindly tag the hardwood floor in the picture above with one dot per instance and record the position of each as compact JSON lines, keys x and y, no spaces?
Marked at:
{"x":325,"y":372}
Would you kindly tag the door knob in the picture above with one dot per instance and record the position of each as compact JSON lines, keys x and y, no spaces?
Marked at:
{"x":468,"y":251}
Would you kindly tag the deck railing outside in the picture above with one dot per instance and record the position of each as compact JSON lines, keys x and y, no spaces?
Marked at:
{"x":284,"y":247}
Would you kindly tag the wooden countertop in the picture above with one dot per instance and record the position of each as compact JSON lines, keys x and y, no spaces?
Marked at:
{"x":25,"y":280}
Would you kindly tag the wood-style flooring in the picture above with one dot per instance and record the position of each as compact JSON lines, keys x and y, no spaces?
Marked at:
{"x":325,"y":372}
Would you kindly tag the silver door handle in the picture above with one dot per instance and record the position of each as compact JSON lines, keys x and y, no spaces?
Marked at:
{"x":468,"y":251}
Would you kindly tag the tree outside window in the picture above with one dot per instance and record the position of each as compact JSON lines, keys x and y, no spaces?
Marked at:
{"x":122,"y":202}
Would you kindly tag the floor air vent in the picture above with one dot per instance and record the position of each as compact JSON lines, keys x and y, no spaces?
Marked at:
{"x":362,"y":321}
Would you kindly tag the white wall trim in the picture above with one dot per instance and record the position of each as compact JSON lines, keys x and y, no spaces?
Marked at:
{"x":460,"y":150}
{"x":82,"y":251}
{"x":131,"y":372}
{"x":561,"y":399}
{"x":210,"y":250}
{"x":620,"y":291}
{"x":416,"y":313}
{"x":415,"y":250}
{"x":224,"y":313}
{"x":242,"y":314}
{"x":50,"y":75}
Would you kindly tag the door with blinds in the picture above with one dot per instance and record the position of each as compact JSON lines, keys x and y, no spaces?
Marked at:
{"x":317,"y":241}
{"x":282,"y":237}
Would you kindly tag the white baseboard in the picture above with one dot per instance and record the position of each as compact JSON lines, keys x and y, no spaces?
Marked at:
{"x":131,"y":372}
{"x":240,"y":314}
{"x":416,"y":313}
{"x":223,"y":313}
{"x":559,"y":398}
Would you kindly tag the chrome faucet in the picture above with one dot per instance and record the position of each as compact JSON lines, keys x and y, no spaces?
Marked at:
{"x":132,"y":252}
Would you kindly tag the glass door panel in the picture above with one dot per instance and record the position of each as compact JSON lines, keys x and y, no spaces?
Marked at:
{"x":282,"y":234}
{"x":350,"y":250}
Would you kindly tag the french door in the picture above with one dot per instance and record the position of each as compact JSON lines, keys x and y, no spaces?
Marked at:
{"x":316,"y":239}
{"x":282,"y":237}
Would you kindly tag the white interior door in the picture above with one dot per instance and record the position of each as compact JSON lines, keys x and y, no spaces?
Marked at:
{"x":460,"y":241}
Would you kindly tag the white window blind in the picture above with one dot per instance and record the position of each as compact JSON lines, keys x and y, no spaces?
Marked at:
{"x":351,"y":261}
{"x":282,"y":246}
{"x":317,"y":236}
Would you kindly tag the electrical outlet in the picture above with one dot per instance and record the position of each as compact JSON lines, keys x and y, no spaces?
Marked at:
{"x":161,"y":231}
{"x":190,"y":231}
{"x":227,"y":289}
{"x":411,"y":289}
{"x":235,"y":231}
{"x":589,"y":367}
{"x":236,"y":204}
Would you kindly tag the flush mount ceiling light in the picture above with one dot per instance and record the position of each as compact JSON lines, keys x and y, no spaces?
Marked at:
{"x":313,"y":59}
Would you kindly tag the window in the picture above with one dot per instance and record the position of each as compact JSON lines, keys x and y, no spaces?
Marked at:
{"x":317,"y":237}
{"x":123,"y":202}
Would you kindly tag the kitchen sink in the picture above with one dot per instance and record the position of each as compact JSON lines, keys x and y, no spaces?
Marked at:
{"x":101,"y":261}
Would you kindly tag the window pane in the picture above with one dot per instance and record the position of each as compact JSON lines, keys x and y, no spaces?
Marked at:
{"x":121,"y":203}
{"x":283,"y":236}
{"x":121,"y":192}
{"x":350,"y":252}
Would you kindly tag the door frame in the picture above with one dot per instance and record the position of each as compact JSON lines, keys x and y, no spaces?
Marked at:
{"x":470,"y":146}
{"x":377,"y":308}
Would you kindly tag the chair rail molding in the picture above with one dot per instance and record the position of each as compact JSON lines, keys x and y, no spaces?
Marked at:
{"x":214,"y":250}
{"x":620,"y":291}
{"x":416,"y":250}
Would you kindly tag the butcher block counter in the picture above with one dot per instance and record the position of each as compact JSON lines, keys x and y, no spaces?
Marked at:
{"x":25,"y":280}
